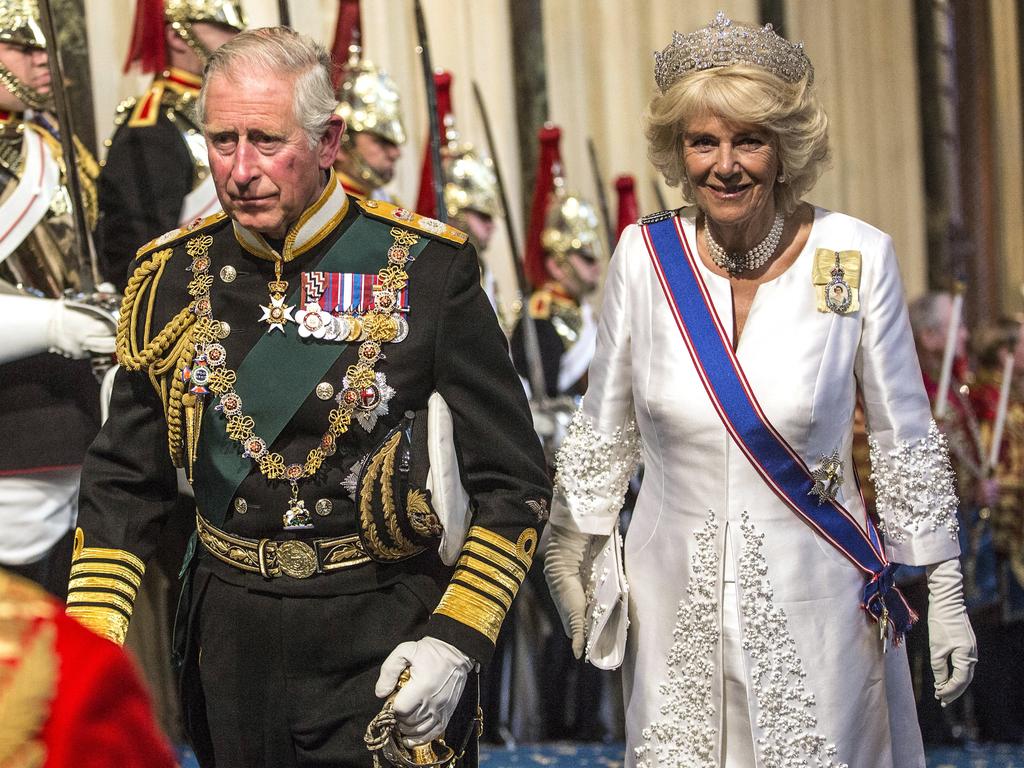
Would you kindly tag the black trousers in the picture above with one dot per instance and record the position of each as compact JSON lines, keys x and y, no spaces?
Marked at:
{"x":287,"y":682}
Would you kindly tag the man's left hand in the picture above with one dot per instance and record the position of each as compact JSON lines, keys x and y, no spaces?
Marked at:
{"x":437,"y":675}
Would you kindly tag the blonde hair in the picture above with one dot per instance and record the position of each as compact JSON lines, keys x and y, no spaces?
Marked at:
{"x":743,"y":93}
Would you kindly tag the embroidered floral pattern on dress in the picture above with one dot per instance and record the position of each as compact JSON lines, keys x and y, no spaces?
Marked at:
{"x":785,"y":715}
{"x":684,"y":736}
{"x":594,"y":468}
{"x":914,"y":486}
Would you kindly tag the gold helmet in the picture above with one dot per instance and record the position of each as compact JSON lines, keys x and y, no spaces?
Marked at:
{"x":148,"y":46}
{"x":369,"y":100}
{"x":470,"y":183}
{"x":571,"y":224}
{"x":19,"y":25}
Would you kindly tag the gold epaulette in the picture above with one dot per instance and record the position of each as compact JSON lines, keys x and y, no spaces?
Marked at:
{"x":168,"y":239}
{"x":486,"y":579}
{"x":540,"y":305}
{"x":147,"y":107}
{"x":103,"y":587}
{"x":393,"y":214}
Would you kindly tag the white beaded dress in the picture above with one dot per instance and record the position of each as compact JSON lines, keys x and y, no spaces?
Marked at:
{"x":818,"y":689}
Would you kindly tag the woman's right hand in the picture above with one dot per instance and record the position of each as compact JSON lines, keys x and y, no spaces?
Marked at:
{"x":562,"y":563}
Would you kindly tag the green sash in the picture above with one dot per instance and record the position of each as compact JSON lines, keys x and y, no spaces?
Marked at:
{"x":278,"y":374}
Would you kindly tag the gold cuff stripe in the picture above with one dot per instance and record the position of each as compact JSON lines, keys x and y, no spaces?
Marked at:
{"x":103,"y":621}
{"x":495,"y":540}
{"x":484,"y":586}
{"x":127,"y":575}
{"x":102,"y":598}
{"x":488,"y":571}
{"x":112,"y":555}
{"x":468,"y":607}
{"x":488,"y":555}
{"x":102,"y":582}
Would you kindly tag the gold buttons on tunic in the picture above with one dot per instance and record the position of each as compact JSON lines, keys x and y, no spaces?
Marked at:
{"x":241,"y":505}
{"x":324,"y":507}
{"x":224,"y":330}
{"x":228,"y":274}
{"x":324,"y":390}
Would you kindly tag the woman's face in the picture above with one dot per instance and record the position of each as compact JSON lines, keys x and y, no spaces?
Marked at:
{"x":731,"y":168}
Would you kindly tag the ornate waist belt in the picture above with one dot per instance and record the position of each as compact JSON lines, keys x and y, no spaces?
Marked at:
{"x":271,"y":559}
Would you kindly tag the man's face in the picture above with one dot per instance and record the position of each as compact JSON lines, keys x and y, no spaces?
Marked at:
{"x":264,"y":170}
{"x":29,"y":65}
{"x":380,"y":154}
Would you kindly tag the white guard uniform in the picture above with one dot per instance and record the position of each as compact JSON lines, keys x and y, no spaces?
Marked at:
{"x":818,"y":689}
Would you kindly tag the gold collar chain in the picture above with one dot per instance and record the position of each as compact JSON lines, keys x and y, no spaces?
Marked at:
{"x":210,"y":373}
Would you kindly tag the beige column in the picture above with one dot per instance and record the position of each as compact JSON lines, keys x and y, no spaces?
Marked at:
{"x":864,"y":60}
{"x":1009,"y":161}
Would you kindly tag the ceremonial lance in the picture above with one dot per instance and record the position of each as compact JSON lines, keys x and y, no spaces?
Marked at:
{"x":435,"y":126}
{"x":602,"y":198}
{"x":88,"y":271}
{"x":949,"y":353}
{"x":283,"y":14}
{"x":531,"y":346}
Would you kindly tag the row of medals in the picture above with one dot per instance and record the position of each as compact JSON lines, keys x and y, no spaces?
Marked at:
{"x":321,"y":325}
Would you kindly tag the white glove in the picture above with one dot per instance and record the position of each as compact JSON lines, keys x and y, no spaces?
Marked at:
{"x":32,"y":325}
{"x":437,"y":675}
{"x":949,"y":631}
{"x":562,"y":563}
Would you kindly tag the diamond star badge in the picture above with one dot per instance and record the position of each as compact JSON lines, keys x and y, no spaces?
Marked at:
{"x":277,"y":314}
{"x":828,"y":477}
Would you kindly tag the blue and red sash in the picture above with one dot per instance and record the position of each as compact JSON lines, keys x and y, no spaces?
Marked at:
{"x":766,"y":450}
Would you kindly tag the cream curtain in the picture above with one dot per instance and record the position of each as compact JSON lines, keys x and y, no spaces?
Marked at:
{"x":599,"y":60}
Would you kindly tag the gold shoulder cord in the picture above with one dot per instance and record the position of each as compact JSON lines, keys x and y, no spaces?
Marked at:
{"x":167,"y":351}
{"x":486,"y":579}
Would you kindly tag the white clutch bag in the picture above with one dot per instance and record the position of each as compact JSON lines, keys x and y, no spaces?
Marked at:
{"x":607,"y":605}
{"x":447,"y":495}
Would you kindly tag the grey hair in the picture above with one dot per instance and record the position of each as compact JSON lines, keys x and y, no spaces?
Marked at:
{"x":929,"y":312}
{"x":280,"y":51}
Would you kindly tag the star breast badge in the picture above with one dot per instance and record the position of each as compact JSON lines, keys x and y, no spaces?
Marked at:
{"x":828,"y":477}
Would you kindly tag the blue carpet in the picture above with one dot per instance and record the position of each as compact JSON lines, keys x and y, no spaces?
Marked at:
{"x":568,"y":755}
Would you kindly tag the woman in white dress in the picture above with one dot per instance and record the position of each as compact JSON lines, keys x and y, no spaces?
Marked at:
{"x":755,"y":614}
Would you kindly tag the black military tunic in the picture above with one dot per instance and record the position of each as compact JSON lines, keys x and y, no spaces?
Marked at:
{"x":558,"y":319}
{"x":149,"y":170}
{"x":334,"y":627}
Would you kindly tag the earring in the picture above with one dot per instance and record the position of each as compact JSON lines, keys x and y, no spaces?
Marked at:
{"x":781,"y":178}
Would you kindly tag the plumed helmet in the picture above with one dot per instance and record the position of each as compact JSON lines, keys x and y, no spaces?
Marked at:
{"x":369,"y":99}
{"x":227,"y":12}
{"x":19,"y":23}
{"x":571,"y":223}
{"x":470,"y":183}
{"x":148,"y":46}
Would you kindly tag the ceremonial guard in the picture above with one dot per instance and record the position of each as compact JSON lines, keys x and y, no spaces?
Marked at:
{"x":370,"y":105}
{"x":562,"y":262}
{"x":470,"y":186}
{"x":283,"y":352}
{"x":71,"y":699}
{"x":51,"y":398}
{"x":156,"y":175}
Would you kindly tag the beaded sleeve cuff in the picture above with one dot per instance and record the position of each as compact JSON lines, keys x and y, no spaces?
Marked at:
{"x":594,"y":468}
{"x":914,"y":486}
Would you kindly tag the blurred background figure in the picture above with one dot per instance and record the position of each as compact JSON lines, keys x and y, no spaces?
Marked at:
{"x":371,"y":106}
{"x":156,"y":176}
{"x":51,"y":399}
{"x":71,"y":699}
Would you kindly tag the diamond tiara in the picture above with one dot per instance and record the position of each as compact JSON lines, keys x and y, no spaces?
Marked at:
{"x":722,"y":43}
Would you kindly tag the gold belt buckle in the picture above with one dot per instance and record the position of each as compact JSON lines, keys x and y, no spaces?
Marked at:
{"x":296,"y":559}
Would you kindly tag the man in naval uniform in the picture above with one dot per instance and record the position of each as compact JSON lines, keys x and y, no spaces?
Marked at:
{"x":283,"y":352}
{"x":50,"y":396}
{"x":156,"y":175}
{"x":369,"y":103}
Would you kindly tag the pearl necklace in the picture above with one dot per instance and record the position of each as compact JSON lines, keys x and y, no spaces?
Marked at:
{"x":756,"y":257}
